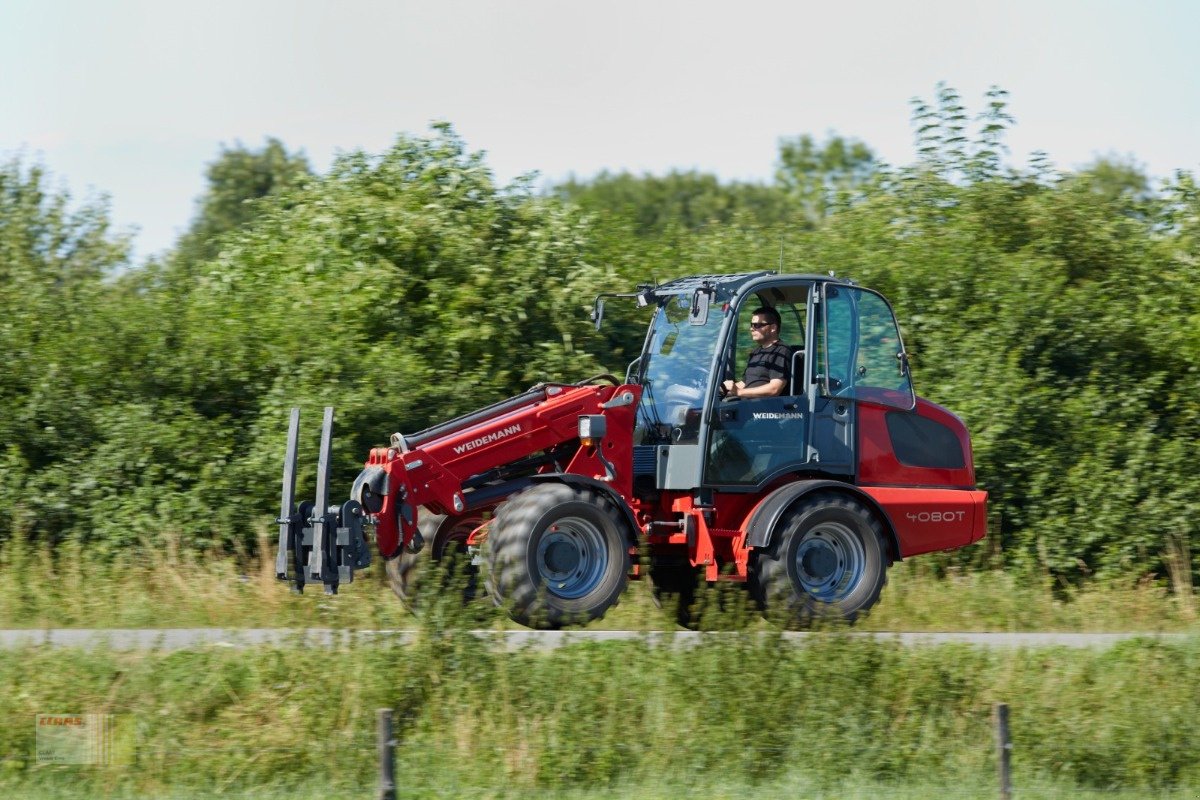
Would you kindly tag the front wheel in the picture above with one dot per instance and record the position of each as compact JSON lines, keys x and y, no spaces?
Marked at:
{"x":557,"y":555}
{"x":445,"y":539}
{"x":827,"y":560}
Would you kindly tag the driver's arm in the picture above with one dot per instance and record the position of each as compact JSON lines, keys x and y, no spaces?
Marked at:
{"x":772,"y":388}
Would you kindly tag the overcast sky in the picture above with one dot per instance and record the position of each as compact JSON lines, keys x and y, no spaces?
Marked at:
{"x":132,"y":99}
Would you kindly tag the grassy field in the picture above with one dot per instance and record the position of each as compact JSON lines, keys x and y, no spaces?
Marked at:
{"x":181,"y":589}
{"x":787,"y":787}
{"x":730,"y":716}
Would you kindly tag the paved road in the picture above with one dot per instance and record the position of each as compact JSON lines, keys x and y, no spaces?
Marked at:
{"x":180,"y":638}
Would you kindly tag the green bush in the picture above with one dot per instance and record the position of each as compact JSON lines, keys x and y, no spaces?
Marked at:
{"x":1057,"y":313}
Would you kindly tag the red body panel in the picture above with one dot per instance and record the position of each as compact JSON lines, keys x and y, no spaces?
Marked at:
{"x":877,"y":461}
{"x":930,"y":508}
{"x":433,"y":474}
{"x":527,"y":430}
{"x":932,"y":519}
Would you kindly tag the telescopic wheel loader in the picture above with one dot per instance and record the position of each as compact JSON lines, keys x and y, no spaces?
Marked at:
{"x":807,"y":497}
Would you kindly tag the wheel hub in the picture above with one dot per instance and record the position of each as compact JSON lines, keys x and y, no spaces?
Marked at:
{"x":561,"y":557}
{"x":820,"y":562}
{"x":830,"y":562}
{"x":572,"y":557}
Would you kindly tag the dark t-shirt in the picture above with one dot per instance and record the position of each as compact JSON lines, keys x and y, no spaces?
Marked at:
{"x":768,"y":363}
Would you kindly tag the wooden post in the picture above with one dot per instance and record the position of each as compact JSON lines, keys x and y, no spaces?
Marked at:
{"x":387,"y":755}
{"x":1003,"y":751}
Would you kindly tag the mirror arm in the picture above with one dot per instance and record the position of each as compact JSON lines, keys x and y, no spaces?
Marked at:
{"x":597,"y":314}
{"x":701,"y":300}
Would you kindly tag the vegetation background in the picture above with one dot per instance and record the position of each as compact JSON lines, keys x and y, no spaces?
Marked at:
{"x":1057,"y":313}
{"x":143,"y":407}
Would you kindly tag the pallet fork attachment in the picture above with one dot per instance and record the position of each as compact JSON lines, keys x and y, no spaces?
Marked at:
{"x":325,"y":547}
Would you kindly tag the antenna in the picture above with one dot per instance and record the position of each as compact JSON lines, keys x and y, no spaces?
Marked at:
{"x":781,"y":253}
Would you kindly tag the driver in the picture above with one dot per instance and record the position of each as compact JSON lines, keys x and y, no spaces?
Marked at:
{"x":769,"y":367}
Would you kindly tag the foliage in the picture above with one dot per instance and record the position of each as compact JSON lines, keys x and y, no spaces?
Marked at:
{"x":821,"y":178}
{"x":237,"y":180}
{"x":755,"y":711}
{"x":54,"y":333}
{"x":1057,"y":313}
{"x":677,"y":203}
{"x":396,"y":288}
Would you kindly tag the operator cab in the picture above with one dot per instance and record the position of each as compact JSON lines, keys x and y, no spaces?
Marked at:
{"x":844,"y":345}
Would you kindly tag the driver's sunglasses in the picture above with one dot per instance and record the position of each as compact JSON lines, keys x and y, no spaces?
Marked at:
{"x":757,"y":325}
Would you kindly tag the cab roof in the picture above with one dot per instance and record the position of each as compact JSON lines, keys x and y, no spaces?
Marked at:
{"x":732,"y":283}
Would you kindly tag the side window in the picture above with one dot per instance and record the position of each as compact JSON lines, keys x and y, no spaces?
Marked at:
{"x":921,"y":442}
{"x":791,"y":326}
{"x":861,"y":351}
{"x":791,"y":333}
{"x":838,"y":336}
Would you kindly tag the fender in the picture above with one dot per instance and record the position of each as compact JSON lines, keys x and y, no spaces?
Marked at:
{"x":766,"y":515}
{"x":493,"y":494}
{"x":572,"y":479}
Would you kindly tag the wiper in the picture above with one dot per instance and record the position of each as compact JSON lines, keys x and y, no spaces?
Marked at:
{"x":651,"y":415}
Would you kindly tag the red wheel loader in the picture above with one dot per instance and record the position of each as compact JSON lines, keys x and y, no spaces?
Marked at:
{"x":807,"y":497}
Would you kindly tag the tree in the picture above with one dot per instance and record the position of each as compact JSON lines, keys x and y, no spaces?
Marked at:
{"x":678,"y":201}
{"x":236,"y":180}
{"x":402,"y":288}
{"x":818,"y":177}
{"x":53,"y":259}
{"x":1056,"y":313}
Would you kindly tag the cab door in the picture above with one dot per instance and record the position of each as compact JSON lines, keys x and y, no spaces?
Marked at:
{"x":753,"y":440}
{"x":859,"y":358}
{"x":860,"y":355}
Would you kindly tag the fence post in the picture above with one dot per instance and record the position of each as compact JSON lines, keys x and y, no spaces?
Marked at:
{"x":387,"y":755}
{"x":1003,"y":751}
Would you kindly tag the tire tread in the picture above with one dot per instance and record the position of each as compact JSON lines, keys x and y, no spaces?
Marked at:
{"x":512,"y":583}
{"x":770,"y":581}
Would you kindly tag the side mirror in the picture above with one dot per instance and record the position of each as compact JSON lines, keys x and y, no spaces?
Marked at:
{"x":700,"y":302}
{"x":598,"y":312}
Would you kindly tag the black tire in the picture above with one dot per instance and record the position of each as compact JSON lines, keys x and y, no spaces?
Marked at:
{"x":557,"y":555}
{"x":445,"y":537}
{"x":827,"y":561}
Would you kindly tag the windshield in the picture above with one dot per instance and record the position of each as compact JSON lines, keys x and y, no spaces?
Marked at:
{"x":675,"y":370}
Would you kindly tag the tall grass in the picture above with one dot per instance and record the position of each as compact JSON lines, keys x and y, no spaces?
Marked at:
{"x":733,"y":714}
{"x":918,"y":598}
{"x":176,"y":587}
{"x":789,"y":785}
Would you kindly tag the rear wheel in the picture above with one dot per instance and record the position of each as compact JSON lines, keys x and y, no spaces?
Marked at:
{"x":446,"y":545}
{"x":827,"y":560}
{"x":557,"y":555}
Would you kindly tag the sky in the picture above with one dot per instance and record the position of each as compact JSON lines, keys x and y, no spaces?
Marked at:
{"x":132,"y":99}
